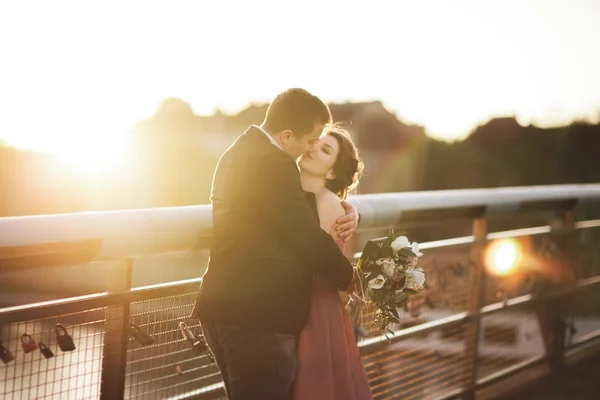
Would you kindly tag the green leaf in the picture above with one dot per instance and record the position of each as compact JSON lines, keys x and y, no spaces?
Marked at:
{"x":390,"y":331}
{"x":401,"y":299}
{"x":406,"y":252}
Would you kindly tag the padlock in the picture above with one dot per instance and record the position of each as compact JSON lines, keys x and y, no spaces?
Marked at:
{"x":5,"y":355}
{"x":65,"y":342}
{"x":45,"y":350}
{"x":198,"y":343}
{"x":142,"y":337}
{"x":186,"y":332}
{"x":28,"y":343}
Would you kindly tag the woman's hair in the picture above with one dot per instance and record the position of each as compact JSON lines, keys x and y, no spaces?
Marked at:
{"x":348,"y":166}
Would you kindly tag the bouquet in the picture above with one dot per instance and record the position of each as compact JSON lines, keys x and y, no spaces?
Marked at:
{"x":389,"y":265}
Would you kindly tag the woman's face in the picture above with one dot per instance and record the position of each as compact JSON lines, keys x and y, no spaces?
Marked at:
{"x":319,"y":160}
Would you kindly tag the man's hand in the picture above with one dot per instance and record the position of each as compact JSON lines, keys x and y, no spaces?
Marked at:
{"x":346,"y":224}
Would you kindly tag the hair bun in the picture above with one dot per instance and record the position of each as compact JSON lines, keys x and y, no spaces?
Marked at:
{"x":348,"y":166}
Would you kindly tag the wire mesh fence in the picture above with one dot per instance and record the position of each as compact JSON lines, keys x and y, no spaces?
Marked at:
{"x":420,"y":363}
{"x":65,"y":374}
{"x":423,"y":367}
{"x":168,"y":366}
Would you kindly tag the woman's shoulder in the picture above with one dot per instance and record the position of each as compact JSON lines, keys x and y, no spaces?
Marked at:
{"x":330,"y":199}
{"x":330,"y":208}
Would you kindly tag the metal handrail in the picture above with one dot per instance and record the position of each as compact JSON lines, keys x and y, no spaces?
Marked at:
{"x":133,"y":233}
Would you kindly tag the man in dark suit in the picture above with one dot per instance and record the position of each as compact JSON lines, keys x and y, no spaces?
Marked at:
{"x":255,"y":296}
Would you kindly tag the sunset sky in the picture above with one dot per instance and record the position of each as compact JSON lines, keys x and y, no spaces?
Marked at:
{"x":73,"y":71}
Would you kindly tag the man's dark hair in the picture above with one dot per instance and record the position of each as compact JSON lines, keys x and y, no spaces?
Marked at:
{"x":296,"y":110}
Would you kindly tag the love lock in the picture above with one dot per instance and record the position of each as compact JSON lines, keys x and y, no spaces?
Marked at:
{"x":142,"y":337}
{"x":198,"y":343}
{"x":28,"y":343}
{"x":45,"y":350}
{"x":5,"y":355}
{"x":65,"y":342}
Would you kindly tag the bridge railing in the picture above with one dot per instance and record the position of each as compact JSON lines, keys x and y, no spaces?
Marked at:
{"x":469,"y":333}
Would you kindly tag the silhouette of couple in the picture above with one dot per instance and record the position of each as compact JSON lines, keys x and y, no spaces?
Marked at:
{"x":269,"y":303}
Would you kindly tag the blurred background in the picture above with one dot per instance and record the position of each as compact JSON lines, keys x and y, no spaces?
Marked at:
{"x":118,"y":105}
{"x":122,"y":105}
{"x":114,"y":105}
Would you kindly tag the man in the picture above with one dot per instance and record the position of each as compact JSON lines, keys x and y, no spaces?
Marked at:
{"x":255,"y":296}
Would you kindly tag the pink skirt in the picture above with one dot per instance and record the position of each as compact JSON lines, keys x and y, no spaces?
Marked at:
{"x":329,"y":364}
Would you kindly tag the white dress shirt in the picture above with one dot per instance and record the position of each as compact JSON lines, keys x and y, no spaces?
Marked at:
{"x":271,"y":138}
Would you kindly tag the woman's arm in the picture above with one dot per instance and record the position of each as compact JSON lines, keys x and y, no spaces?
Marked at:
{"x":330,"y":209}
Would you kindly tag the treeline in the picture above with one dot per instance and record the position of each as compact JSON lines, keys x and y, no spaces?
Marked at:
{"x":172,"y":165}
{"x":502,"y":153}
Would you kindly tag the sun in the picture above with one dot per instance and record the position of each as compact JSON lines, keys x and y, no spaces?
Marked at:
{"x":94,"y":158}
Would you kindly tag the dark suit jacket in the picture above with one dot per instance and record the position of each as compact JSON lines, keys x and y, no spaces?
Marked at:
{"x":266,"y":242}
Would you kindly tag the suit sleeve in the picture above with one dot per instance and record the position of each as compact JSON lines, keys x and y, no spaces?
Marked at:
{"x":281,"y":199}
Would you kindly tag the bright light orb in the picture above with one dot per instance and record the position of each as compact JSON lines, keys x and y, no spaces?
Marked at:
{"x":502,"y":257}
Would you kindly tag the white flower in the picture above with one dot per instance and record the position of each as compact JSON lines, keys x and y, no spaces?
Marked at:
{"x":387,"y":265}
{"x":412,"y":263}
{"x":415,"y":279}
{"x":415,"y":249}
{"x":399,"y":243}
{"x":377,"y":283}
{"x":418,"y":277}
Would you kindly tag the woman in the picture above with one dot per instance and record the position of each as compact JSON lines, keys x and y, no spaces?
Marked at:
{"x":329,"y":364}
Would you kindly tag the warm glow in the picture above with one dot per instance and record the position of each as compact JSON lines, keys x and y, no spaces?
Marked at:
{"x":449,"y":65}
{"x":93,"y":159}
{"x":502,"y":257}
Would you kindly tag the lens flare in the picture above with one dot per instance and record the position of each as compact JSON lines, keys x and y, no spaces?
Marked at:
{"x":502,"y":257}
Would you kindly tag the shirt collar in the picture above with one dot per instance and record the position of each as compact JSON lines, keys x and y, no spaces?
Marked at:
{"x":271,"y":139}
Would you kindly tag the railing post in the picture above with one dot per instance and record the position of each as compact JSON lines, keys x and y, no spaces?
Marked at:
{"x":553,"y":313}
{"x":114,"y":362}
{"x":566,"y":223}
{"x":476,"y":301}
